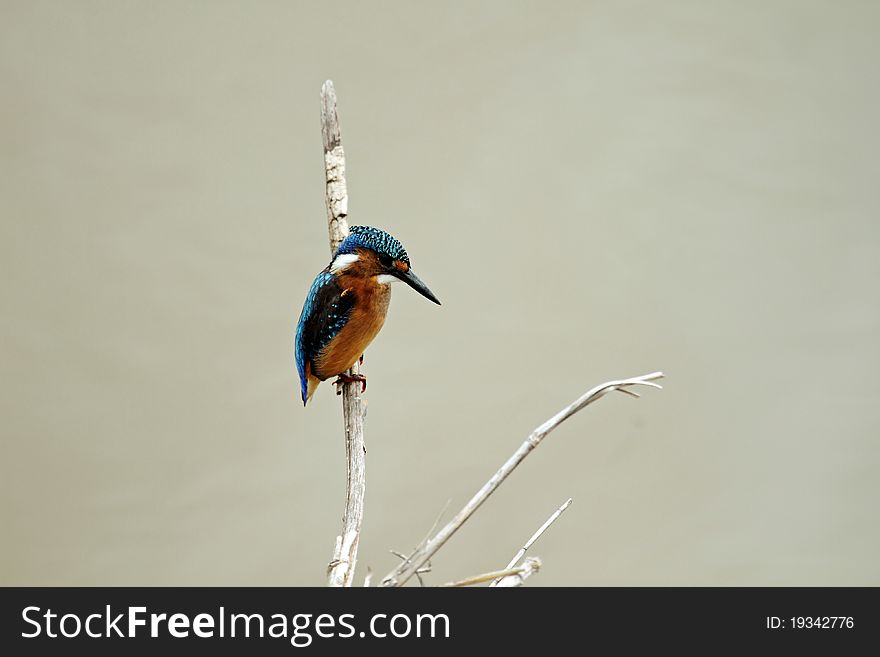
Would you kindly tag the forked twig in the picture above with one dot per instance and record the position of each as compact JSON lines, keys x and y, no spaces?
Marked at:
{"x":408,"y":567}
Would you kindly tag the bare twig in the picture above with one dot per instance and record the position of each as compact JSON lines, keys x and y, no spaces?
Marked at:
{"x":529,"y":566}
{"x":408,"y":567}
{"x":522,"y":551}
{"x":341,"y":568}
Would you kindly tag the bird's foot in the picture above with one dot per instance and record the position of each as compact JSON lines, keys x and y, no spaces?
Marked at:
{"x":361,"y":360}
{"x":348,"y":378}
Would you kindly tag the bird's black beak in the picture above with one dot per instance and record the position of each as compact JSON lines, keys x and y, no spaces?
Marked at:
{"x":416,"y":283}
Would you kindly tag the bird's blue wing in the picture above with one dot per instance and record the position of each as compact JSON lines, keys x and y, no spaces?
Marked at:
{"x":324,"y":313}
{"x":303,"y":350}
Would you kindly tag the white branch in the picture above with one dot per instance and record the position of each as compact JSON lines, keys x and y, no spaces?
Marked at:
{"x":341,"y":568}
{"x":522,"y":551}
{"x":407,"y":568}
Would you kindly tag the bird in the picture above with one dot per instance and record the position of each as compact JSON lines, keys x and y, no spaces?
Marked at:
{"x":346,"y":306}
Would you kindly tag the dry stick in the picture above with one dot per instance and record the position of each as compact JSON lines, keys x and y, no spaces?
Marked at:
{"x":529,"y":566}
{"x":406,"y":569}
{"x":529,"y":543}
{"x":341,"y":568}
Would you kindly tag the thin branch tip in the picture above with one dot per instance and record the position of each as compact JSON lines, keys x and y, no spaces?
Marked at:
{"x":534,"y":537}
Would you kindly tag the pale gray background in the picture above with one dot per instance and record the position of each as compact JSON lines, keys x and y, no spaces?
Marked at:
{"x":593,"y":189}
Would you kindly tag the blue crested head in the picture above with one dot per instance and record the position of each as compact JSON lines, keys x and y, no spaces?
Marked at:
{"x":367,"y":237}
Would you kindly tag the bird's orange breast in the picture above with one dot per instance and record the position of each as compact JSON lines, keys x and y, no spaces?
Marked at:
{"x":364,"y":323}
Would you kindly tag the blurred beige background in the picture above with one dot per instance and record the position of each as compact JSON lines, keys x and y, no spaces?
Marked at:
{"x":593,"y":189}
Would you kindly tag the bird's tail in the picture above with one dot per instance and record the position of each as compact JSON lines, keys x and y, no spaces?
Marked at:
{"x":311,"y":384}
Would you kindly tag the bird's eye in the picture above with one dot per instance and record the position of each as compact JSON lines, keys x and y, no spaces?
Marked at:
{"x":385,"y":260}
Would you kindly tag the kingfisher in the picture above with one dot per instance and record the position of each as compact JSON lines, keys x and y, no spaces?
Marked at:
{"x":346,"y":306}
